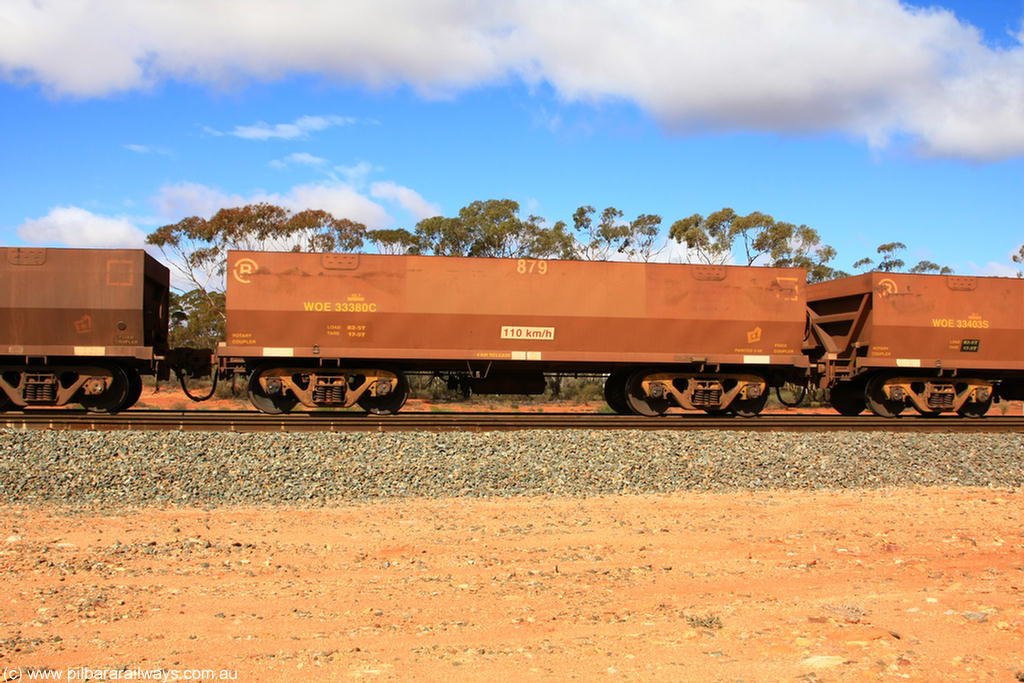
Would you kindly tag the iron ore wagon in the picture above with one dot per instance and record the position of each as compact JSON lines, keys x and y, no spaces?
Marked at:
{"x":348,"y":329}
{"x":939,"y":343}
{"x":80,"y":326}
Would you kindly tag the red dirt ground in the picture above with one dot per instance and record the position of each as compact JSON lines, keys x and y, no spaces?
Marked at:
{"x":901,"y":584}
{"x":919,"y":585}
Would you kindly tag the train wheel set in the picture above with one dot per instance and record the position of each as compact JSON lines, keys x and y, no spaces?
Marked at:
{"x":277,"y":390}
{"x":652,"y":392}
{"x":888,"y":395}
{"x":628,"y":391}
{"x":113,"y":387}
{"x":632,"y":392}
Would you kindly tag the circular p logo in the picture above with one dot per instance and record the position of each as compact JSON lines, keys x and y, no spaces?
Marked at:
{"x":243,"y":270}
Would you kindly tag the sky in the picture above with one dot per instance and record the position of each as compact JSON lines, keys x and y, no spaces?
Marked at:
{"x":871,"y":121}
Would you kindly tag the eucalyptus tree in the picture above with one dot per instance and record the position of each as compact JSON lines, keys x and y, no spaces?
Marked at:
{"x":196,"y":248}
{"x":754,"y":239}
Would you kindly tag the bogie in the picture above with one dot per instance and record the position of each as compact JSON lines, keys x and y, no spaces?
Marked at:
{"x":104,"y":388}
{"x":653,"y":392}
{"x":888,"y":394}
{"x":276,"y":390}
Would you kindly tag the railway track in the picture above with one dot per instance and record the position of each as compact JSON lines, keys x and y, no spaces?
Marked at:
{"x":248,"y":421}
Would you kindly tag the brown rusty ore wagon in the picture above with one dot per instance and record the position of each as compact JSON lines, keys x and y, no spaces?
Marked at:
{"x":79,"y":326}
{"x":346,"y":329}
{"x":937,"y":343}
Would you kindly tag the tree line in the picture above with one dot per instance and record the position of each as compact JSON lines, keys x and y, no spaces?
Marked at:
{"x":197,"y":247}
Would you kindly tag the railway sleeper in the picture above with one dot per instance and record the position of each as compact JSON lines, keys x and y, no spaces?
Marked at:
{"x":931,"y":396}
{"x":742,"y":392}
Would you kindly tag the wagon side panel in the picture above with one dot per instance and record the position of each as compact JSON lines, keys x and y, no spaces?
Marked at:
{"x":406,"y":307}
{"x":81,"y":302}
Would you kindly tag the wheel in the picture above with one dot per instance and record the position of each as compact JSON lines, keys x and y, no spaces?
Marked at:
{"x":975,"y":409}
{"x":847,"y":398}
{"x":5,"y":400}
{"x":615,"y":392}
{"x":878,"y":403}
{"x":266,"y":403}
{"x":749,"y":407}
{"x":797,"y":390}
{"x":134,"y":389}
{"x":113,"y":399}
{"x":388,"y":404}
{"x":640,"y":403}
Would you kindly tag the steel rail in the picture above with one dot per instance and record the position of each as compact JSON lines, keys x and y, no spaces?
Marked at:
{"x":250,"y":421}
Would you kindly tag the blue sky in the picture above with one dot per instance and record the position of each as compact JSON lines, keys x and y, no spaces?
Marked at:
{"x":869,"y":120}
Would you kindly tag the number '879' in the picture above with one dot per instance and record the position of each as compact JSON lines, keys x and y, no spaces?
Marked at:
{"x":529,"y":266}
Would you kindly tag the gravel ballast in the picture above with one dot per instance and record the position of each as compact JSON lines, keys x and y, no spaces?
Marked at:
{"x":72,"y":468}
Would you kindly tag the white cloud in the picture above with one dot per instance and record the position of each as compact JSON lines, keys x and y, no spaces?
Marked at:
{"x":876,"y":69}
{"x":340,"y":199}
{"x":410,"y":200}
{"x":298,"y":159}
{"x":193,"y":199}
{"x":299,"y":128}
{"x":305,"y":159}
{"x":356,"y":175}
{"x":147,"y":149}
{"x":76,"y":227}
{"x":994,"y":268}
{"x":872,"y":68}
